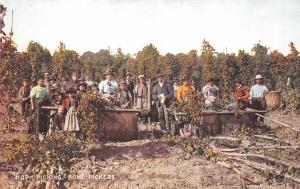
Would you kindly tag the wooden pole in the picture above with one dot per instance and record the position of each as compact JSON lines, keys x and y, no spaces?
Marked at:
{"x":279,"y":122}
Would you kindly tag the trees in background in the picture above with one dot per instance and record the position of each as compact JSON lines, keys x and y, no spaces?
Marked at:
{"x":207,"y":61}
{"x":281,"y":72}
{"x":39,"y":58}
{"x":170,"y":65}
{"x":147,"y":61}
{"x":65,"y":62}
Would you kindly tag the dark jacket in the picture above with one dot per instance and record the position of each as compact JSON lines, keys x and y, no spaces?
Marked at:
{"x":130,"y":86}
{"x":168,"y":91}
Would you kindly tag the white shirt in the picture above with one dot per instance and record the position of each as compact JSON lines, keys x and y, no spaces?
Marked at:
{"x":258,"y":91}
{"x":107,"y":86}
{"x":211,"y":94}
{"x":161,"y":84}
{"x":209,"y":90}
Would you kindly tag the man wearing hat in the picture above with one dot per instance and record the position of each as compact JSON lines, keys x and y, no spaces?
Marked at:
{"x":186,"y":89}
{"x":162,"y":94}
{"x":109,"y":86}
{"x":211,"y":94}
{"x":129,"y":83}
{"x":257,"y":93}
{"x":141,"y":93}
{"x":73,"y":83}
{"x":24,"y":93}
{"x":82,"y":83}
{"x":124,"y":98}
{"x":39,"y":96}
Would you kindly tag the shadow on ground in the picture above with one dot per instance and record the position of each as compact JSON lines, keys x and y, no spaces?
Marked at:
{"x":150,"y":150}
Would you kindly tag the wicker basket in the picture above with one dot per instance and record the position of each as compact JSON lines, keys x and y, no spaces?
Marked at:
{"x":273,"y":99}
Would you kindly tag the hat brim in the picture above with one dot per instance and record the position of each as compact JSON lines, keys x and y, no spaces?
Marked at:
{"x":71,"y":91}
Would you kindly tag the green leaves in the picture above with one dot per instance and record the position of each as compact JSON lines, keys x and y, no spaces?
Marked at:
{"x":87,"y":112}
{"x":65,"y":61}
{"x":39,"y":58}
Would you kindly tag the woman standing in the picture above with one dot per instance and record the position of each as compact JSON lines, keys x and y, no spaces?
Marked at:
{"x":70,"y":104}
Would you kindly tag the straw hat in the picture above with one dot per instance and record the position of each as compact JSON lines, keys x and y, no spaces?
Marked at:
{"x":141,"y":76}
{"x":108,"y":72}
{"x":46,"y":75}
{"x":258,"y":77}
{"x":160,"y":75}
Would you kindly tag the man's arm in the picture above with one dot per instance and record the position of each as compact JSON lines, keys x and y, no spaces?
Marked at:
{"x":101,"y":87}
{"x":154,"y":92}
{"x":32,"y":97}
{"x":170,"y":89}
{"x":204,"y":91}
{"x":246,"y":93}
{"x":251,"y":93}
{"x":178,"y":94}
{"x":21,"y":92}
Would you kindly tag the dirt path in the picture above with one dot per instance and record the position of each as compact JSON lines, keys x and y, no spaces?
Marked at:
{"x":146,"y":164}
{"x":153,"y":164}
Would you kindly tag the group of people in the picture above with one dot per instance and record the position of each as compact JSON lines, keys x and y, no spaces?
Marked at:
{"x":125,"y":94}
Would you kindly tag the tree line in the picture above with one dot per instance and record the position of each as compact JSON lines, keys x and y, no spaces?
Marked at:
{"x":281,"y":72}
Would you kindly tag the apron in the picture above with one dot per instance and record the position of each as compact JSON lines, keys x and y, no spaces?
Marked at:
{"x":71,"y":120}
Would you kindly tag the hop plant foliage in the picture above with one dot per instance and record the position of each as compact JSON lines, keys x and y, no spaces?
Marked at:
{"x":87,"y":114}
{"x":57,"y":152}
{"x":192,"y":106}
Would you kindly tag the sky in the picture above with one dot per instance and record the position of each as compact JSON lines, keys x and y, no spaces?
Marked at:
{"x":171,"y":25}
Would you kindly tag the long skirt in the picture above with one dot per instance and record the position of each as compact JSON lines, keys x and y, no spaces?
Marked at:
{"x":40,"y":117}
{"x":71,"y":121}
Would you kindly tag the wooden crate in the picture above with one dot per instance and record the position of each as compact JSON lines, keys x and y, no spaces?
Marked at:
{"x":119,"y":125}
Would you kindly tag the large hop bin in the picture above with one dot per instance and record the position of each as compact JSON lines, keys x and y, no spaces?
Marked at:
{"x":118,"y":124}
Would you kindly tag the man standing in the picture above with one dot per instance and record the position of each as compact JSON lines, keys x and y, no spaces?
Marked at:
{"x":141,"y":94}
{"x":108,"y":87}
{"x":257,"y":93}
{"x":24,"y":93}
{"x":211,"y":94}
{"x":73,"y":83}
{"x":163,"y":94}
{"x":185,"y":90}
{"x":129,"y":83}
{"x":39,"y":96}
